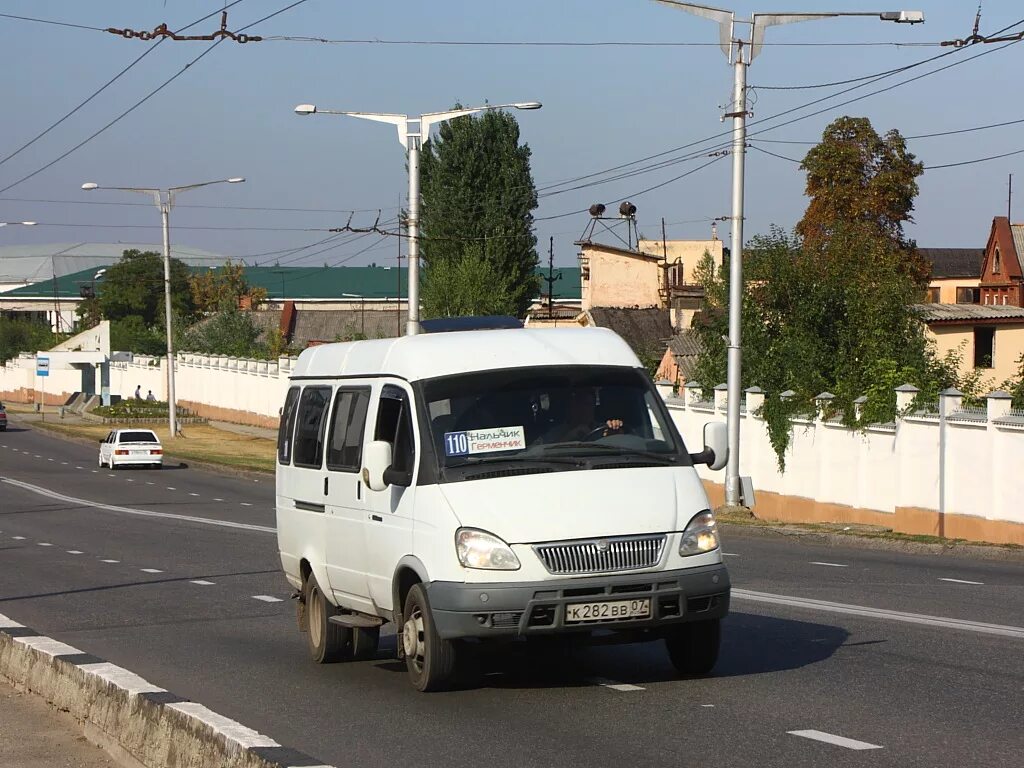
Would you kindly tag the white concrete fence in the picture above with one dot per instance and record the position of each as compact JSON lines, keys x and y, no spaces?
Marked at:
{"x":888,"y":474}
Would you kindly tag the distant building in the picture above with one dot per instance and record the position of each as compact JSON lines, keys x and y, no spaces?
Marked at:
{"x":1002,"y":283}
{"x":987,"y":337}
{"x":956,"y":274}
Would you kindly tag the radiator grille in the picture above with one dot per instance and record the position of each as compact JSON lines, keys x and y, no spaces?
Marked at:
{"x":626,"y":553}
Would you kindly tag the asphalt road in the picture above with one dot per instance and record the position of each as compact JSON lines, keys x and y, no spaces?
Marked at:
{"x":927,"y":669}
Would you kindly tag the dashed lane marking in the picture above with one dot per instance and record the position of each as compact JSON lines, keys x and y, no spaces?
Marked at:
{"x":110,"y":561}
{"x":246,"y":504}
{"x":150,"y":482}
{"x":218,"y":499}
{"x":267,"y":599}
{"x":74,"y":552}
{"x":193,"y":494}
{"x":615,"y":686}
{"x":51,"y":459}
{"x":829,"y":565}
{"x":133,"y":511}
{"x":150,"y":570}
{"x":128,"y":480}
{"x":63,"y":463}
{"x":203,"y":582}
{"x":729,"y":554}
{"x":170,"y":488}
{"x":44,"y":544}
{"x":964,"y":581}
{"x":839,"y":741}
{"x":18,"y":538}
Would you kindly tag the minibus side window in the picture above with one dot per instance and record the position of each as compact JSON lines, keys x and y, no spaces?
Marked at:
{"x":345,"y":445}
{"x":286,"y":428}
{"x":309,"y":428}
{"x":394,"y":425}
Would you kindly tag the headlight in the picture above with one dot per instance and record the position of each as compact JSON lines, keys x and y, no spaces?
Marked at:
{"x":701,"y":535}
{"x":479,"y":549}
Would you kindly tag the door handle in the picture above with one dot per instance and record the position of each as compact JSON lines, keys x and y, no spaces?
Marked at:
{"x":325,"y":486}
{"x":377,"y":518}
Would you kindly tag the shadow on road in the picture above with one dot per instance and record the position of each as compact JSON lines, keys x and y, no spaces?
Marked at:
{"x":751,"y":645}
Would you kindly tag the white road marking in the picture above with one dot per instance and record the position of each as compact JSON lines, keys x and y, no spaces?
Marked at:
{"x":708,"y":706}
{"x":839,"y":741}
{"x":133,"y":511}
{"x":38,"y":456}
{"x":63,"y":463}
{"x":49,"y":459}
{"x":193,"y":494}
{"x":111,"y":474}
{"x":830,"y":565}
{"x":74,"y":552}
{"x":149,"y":482}
{"x":880,"y":613}
{"x":218,"y":499}
{"x":18,"y":538}
{"x":614,"y":685}
{"x":204,"y":583}
{"x":95,"y":471}
{"x":110,"y":561}
{"x":169,"y":488}
{"x":150,"y":570}
{"x":267,"y":599}
{"x":246,"y":504}
{"x":729,"y":554}
{"x":128,"y":480}
{"x":962,"y":581}
{"x":79,"y":467}
{"x":44,"y":544}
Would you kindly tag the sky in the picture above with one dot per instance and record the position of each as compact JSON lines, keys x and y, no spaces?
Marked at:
{"x":605,"y":106}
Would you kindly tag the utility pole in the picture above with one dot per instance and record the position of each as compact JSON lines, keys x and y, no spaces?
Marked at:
{"x":741,"y":52}
{"x":1009,"y":201}
{"x":551,"y":279}
{"x":399,"y":239}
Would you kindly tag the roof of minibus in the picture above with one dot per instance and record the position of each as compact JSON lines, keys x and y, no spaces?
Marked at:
{"x":430,"y":355}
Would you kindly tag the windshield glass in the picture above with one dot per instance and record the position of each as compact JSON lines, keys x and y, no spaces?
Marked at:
{"x":548,"y":415}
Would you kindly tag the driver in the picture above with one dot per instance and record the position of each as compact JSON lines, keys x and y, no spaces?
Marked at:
{"x":581,"y":420}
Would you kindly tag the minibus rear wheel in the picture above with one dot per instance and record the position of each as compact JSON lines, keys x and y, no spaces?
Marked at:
{"x":327,"y":642}
{"x":429,"y":659}
{"x":693,"y":648}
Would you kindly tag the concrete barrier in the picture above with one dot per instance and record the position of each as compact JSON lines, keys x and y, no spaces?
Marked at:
{"x":138,"y":723}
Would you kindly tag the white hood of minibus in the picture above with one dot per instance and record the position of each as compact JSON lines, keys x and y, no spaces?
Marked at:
{"x":526,"y":509}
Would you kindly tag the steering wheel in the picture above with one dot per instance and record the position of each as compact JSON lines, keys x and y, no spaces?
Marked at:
{"x":600,"y":432}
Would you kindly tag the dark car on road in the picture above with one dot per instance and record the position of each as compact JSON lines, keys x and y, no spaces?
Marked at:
{"x":3,"y":418}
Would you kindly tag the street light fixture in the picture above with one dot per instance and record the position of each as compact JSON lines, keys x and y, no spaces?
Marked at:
{"x":13,"y":223}
{"x":741,"y":52}
{"x":164,"y":200}
{"x":412,"y":131}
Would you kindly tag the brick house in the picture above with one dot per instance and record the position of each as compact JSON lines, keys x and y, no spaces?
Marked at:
{"x":1002,"y":281}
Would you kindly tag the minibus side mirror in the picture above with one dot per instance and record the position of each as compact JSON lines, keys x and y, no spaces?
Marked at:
{"x":376,"y":461}
{"x":716,"y":446}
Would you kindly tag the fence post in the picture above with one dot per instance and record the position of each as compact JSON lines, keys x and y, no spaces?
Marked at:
{"x":905,"y":398}
{"x":692,"y":393}
{"x":821,"y":403}
{"x":721,"y":397}
{"x":949,"y":401}
{"x":998,"y":404}
{"x":664,"y":387}
{"x":858,"y":407}
{"x":755,"y":399}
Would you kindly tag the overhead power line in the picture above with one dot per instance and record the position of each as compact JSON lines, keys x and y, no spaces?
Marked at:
{"x":908,"y":138}
{"x":194,"y":205}
{"x":569,"y":43}
{"x":51,"y":21}
{"x":104,"y":87}
{"x":927,"y":167}
{"x":147,"y":97}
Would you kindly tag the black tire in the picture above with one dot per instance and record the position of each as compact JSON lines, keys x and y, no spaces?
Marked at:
{"x":327,"y":642}
{"x":430,"y":660}
{"x":693,"y":648}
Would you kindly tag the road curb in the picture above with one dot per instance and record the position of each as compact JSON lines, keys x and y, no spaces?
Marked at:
{"x":130,"y":717}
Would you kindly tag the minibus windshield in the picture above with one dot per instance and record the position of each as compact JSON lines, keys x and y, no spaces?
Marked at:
{"x":563,"y":417}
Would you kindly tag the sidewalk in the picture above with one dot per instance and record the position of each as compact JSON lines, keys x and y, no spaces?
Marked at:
{"x":34,"y":735}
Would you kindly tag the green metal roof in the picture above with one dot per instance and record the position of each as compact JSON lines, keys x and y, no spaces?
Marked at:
{"x":297,"y":283}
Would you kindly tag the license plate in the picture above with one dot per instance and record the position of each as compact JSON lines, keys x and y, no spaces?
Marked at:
{"x":608,"y":610}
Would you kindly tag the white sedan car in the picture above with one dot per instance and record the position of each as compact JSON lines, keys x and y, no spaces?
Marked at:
{"x":131,"y":447}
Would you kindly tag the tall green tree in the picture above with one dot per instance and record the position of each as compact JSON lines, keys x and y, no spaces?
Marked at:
{"x":834,"y":318}
{"x":855,"y":176}
{"x":135,"y":287}
{"x":477,"y":222}
{"x":23,"y":336}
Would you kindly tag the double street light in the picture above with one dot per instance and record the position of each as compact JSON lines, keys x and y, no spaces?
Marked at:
{"x":412,"y":132}
{"x":164,"y":200}
{"x":741,"y":51}
{"x":15,"y":223}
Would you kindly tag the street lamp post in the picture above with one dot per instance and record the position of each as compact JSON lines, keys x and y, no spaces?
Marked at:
{"x":164,"y":199}
{"x":16,"y":223}
{"x":412,"y":131}
{"x":741,"y":52}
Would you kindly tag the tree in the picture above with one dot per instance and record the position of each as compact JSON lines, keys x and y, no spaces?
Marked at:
{"x":856,"y":176}
{"x":215,"y":290}
{"x":23,"y":336}
{"x":468,"y":285}
{"x":478,"y":197}
{"x":835,"y":318}
{"x":135,"y":286}
{"x":229,"y":332}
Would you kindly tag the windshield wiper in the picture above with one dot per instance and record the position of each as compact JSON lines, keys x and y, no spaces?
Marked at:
{"x":615,"y":450}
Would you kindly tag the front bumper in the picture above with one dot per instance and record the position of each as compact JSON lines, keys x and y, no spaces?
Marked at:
{"x":538,"y":608}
